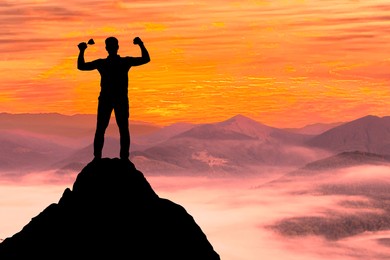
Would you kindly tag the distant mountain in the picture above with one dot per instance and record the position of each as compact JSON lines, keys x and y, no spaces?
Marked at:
{"x":241,"y":127}
{"x":238,"y":144}
{"x":329,"y":166}
{"x":30,"y":142}
{"x":77,"y":159}
{"x":367,"y":134}
{"x":112,"y":212}
{"x":237,"y":127}
{"x":344,"y":160}
{"x":231,"y":146}
{"x":162,"y":134}
{"x":21,"y":153}
{"x":314,"y":129}
{"x":64,"y":127}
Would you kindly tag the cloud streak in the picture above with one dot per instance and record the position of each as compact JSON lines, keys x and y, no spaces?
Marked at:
{"x":226,"y":57}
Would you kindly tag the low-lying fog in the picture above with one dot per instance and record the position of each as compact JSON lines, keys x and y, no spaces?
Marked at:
{"x":333,"y":215}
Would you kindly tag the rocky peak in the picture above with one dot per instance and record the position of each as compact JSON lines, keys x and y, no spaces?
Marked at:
{"x":111,"y":212}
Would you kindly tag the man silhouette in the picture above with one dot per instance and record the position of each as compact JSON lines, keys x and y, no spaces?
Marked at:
{"x":113,"y":91}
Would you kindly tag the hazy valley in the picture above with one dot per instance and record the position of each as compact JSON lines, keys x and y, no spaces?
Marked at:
{"x":257,"y":191}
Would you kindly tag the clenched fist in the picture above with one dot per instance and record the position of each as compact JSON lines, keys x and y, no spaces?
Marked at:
{"x":137,"y":40}
{"x":82,"y":46}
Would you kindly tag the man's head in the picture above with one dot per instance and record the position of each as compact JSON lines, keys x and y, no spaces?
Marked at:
{"x":112,"y":45}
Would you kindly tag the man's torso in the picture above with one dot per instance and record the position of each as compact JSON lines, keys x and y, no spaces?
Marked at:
{"x":114,"y":76}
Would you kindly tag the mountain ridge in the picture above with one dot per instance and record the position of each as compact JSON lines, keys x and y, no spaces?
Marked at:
{"x":228,"y":146}
{"x":367,"y":134}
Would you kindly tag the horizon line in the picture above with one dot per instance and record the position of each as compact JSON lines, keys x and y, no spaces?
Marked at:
{"x":184,"y":122}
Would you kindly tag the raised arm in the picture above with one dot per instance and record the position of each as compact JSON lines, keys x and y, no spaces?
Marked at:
{"x":81,"y":64}
{"x":145,"y":58}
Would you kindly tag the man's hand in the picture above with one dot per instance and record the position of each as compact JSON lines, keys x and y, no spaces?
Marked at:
{"x":137,"y":40}
{"x":82,"y":46}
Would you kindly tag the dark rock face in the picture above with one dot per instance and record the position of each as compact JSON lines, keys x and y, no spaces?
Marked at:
{"x":113,"y":213}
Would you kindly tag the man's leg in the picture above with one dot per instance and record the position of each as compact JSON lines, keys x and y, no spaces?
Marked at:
{"x":122,"y":119}
{"x":103,"y":119}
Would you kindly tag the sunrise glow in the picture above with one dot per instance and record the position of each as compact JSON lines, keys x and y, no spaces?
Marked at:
{"x":284,"y":63}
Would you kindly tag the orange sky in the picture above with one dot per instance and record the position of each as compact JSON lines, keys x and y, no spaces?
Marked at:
{"x":285,"y":63}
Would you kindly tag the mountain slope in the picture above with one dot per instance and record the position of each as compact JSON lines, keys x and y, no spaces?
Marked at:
{"x":344,"y":160}
{"x":236,"y":145}
{"x":162,"y":134}
{"x":64,"y":128}
{"x":329,"y":167}
{"x":244,"y":128}
{"x":367,"y":134}
{"x":112,"y":212}
{"x":22,"y":153}
{"x":314,"y":129}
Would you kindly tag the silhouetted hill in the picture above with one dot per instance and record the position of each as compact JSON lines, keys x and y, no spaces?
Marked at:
{"x":367,"y":134}
{"x":112,"y":212}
